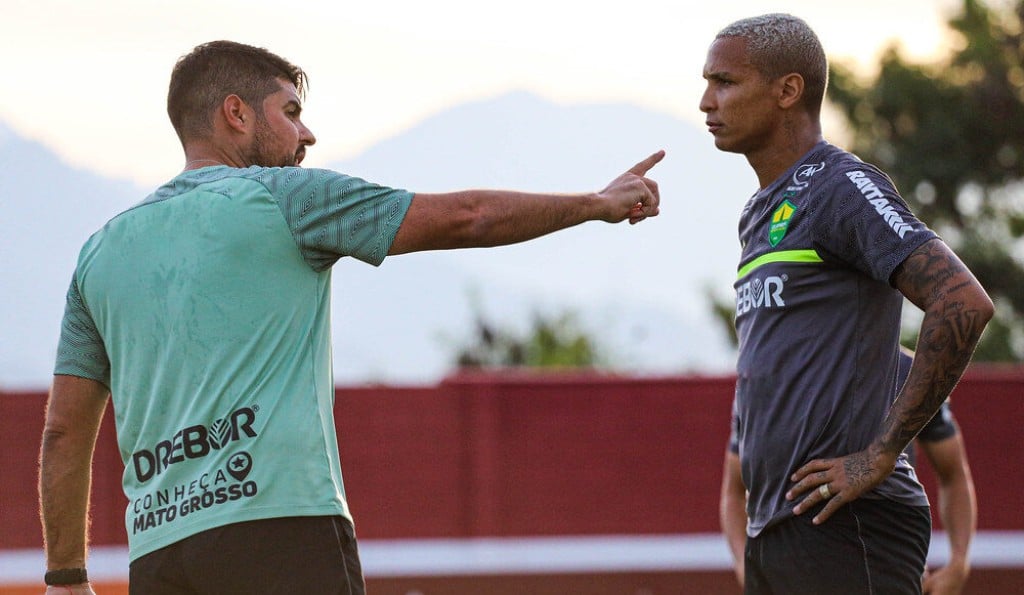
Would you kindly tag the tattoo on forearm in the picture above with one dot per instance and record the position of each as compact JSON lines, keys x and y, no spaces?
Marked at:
{"x":935,"y":280}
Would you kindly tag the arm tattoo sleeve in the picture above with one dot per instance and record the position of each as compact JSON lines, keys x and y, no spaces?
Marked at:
{"x":956,"y":310}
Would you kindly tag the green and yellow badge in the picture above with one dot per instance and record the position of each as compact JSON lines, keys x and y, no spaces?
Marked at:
{"x":780,"y":222}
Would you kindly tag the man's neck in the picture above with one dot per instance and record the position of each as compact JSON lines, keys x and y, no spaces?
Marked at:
{"x":204,"y":154}
{"x":769,"y":167}
{"x":777,"y":156}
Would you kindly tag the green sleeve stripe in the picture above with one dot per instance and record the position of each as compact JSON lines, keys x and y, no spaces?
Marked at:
{"x":783,"y":256}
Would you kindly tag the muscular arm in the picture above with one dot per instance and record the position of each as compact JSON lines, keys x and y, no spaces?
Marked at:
{"x":732,"y":511}
{"x":957,"y":509}
{"x":73,"y":416}
{"x":482,"y":218}
{"x":956,"y":310}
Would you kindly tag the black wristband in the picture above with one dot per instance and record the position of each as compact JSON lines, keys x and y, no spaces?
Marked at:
{"x":66,"y":576}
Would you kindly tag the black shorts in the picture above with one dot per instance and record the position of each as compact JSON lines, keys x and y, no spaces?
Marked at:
{"x":868,"y":547}
{"x":309,"y":555}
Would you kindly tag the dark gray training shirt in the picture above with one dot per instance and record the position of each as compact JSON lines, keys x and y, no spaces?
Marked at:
{"x":818,"y":324}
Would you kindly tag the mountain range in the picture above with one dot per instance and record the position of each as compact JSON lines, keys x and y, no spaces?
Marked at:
{"x":640,"y":291}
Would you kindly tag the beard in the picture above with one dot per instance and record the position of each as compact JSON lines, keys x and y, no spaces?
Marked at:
{"x":262,"y":153}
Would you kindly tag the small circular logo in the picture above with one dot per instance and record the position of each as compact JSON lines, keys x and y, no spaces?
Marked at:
{"x":239,"y":465}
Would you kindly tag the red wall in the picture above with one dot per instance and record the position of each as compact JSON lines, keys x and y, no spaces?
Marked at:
{"x":504,"y":455}
{"x":495,"y":456}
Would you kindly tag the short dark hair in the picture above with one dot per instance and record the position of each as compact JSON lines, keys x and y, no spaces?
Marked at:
{"x":202,"y":79}
{"x":779,"y":44}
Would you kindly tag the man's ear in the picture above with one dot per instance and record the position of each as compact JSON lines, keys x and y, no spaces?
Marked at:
{"x":237,"y":115}
{"x":791,"y":90}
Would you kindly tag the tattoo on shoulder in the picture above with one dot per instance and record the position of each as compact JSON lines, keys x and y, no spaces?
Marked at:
{"x":928,"y":270}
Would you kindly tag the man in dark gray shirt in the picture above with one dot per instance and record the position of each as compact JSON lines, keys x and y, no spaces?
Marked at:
{"x":829,"y":251}
{"x":943,"y":446}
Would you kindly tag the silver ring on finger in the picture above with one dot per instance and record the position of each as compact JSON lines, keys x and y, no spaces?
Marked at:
{"x":824,"y":491}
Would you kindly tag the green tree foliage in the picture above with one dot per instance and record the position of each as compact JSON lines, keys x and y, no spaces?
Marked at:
{"x":723,"y":310}
{"x":552,"y":341}
{"x":951,"y":135}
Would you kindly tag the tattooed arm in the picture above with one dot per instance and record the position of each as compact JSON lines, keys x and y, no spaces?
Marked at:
{"x":956,"y":310}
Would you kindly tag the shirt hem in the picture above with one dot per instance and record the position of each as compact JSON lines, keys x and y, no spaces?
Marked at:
{"x":138,"y":550}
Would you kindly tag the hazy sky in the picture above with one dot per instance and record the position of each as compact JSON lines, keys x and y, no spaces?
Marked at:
{"x":89,"y":78}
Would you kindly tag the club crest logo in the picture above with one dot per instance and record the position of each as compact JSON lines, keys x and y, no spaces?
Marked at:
{"x":780,"y":222}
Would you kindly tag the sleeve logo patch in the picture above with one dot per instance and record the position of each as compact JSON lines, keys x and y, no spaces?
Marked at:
{"x":878,"y":200}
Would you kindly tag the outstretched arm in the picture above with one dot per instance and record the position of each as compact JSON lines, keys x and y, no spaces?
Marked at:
{"x":956,"y":310}
{"x":732,"y":511}
{"x":73,"y":416}
{"x":482,"y":218}
{"x":957,"y":509}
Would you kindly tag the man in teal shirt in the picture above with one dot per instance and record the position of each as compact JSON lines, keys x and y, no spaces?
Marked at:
{"x":204,"y":311}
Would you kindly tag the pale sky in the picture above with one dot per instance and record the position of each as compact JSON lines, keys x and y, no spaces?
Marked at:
{"x":89,"y":78}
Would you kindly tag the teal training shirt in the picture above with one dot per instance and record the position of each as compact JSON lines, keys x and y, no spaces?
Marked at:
{"x":206,"y":311}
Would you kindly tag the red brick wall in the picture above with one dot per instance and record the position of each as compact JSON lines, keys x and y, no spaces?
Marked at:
{"x":507,"y":455}
{"x":21,"y":428}
{"x":495,"y":456}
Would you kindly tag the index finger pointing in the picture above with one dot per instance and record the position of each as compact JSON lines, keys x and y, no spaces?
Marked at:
{"x":642,"y":167}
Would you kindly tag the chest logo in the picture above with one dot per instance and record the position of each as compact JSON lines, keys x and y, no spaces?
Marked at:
{"x":780,"y":222}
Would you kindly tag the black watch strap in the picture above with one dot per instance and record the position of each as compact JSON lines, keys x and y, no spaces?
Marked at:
{"x":66,"y":576}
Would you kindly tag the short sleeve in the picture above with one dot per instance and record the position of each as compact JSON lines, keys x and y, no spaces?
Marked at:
{"x":81,"y":351}
{"x":865,"y":222}
{"x":332,"y":215}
